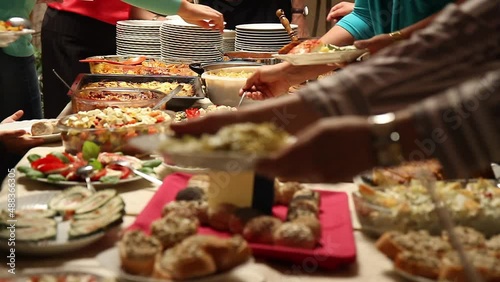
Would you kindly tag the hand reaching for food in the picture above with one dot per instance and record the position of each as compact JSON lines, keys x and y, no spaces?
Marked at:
{"x":16,"y":141}
{"x":267,"y":82}
{"x":201,"y":15}
{"x":340,"y":10}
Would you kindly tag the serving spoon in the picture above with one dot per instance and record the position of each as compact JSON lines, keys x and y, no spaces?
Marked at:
{"x":129,"y":62}
{"x":85,"y":171}
{"x":146,"y":176}
{"x":167,"y":98}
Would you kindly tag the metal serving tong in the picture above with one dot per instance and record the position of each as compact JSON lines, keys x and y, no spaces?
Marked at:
{"x":496,"y":172}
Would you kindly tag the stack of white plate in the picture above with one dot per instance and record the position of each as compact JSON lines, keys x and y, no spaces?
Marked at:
{"x":228,"y":40}
{"x":262,"y":37}
{"x":184,"y":42}
{"x":138,"y":37}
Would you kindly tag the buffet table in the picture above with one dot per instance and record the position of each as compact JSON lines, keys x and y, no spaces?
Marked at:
{"x":371,"y":265}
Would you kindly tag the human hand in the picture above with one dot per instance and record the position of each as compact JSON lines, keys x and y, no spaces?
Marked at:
{"x":375,"y":43}
{"x":266,"y":82}
{"x":339,"y":10}
{"x":6,"y":38}
{"x":330,"y":150}
{"x":15,"y":116}
{"x":15,"y":141}
{"x":201,"y":15}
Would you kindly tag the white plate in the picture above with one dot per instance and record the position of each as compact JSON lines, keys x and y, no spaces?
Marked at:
{"x":26,"y":125}
{"x":100,"y":275}
{"x":7,"y":37}
{"x":139,"y":23}
{"x":21,"y":32}
{"x":47,"y":247}
{"x":321,"y":58}
{"x":190,"y":170}
{"x":110,"y":259}
{"x":95,"y":183}
{"x":217,"y":160}
{"x":263,"y":26}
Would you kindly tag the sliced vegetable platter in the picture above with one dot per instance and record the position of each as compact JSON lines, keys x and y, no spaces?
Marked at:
{"x":54,"y":222}
{"x":61,"y":167}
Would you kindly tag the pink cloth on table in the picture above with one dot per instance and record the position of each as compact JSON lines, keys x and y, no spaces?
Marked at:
{"x":336,"y":248}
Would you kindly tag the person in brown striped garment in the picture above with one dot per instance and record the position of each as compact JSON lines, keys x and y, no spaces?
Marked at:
{"x":442,"y":84}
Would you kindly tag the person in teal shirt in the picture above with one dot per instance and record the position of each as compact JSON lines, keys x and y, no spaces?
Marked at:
{"x":19,"y":91}
{"x":18,"y":78}
{"x":373,"y":17}
{"x":373,"y":24}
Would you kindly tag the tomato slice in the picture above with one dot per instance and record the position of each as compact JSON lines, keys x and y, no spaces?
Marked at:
{"x":46,"y":160}
{"x":125,"y":170}
{"x":192,"y":112}
{"x":98,"y":175}
{"x":53,"y":167}
{"x":70,"y":157}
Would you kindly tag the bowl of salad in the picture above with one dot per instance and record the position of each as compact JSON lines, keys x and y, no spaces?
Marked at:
{"x":111,"y":128}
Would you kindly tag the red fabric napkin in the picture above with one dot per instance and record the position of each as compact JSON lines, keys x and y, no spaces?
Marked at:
{"x":336,"y":248}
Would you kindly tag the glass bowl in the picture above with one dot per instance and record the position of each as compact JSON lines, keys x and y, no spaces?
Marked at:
{"x":110,"y":139}
{"x":420,"y":212}
{"x":101,"y":98}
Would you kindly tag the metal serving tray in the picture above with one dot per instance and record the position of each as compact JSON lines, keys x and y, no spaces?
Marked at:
{"x":177,"y":103}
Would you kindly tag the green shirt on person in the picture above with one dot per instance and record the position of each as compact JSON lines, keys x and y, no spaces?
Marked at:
{"x":163,"y":7}
{"x":17,"y":8}
{"x":374,"y":17}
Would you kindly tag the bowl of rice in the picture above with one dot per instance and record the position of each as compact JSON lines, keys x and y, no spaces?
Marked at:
{"x":223,"y":85}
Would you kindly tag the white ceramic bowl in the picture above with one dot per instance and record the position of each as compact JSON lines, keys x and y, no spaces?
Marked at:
{"x":224,"y":90}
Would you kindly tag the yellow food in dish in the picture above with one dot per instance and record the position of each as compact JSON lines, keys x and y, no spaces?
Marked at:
{"x":234,"y":74}
{"x":4,"y":26}
{"x":187,"y":89}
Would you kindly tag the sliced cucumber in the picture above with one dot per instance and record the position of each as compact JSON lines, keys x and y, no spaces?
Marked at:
{"x":95,"y":201}
{"x":69,"y":199}
{"x":27,"y":222}
{"x":81,"y":228}
{"x":32,"y":233}
{"x":36,"y":213}
{"x":115,"y":205}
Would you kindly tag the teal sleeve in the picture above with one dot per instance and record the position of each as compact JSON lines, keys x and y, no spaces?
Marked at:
{"x":359,"y":22}
{"x":163,"y":7}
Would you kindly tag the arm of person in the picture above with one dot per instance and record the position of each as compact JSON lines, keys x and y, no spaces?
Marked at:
{"x":143,"y":14}
{"x":464,"y":118}
{"x":340,"y":10}
{"x":200,"y":15}
{"x":299,"y":19}
{"x":459,"y":127}
{"x":431,"y":61}
{"x":356,"y":25}
{"x":286,"y":72}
